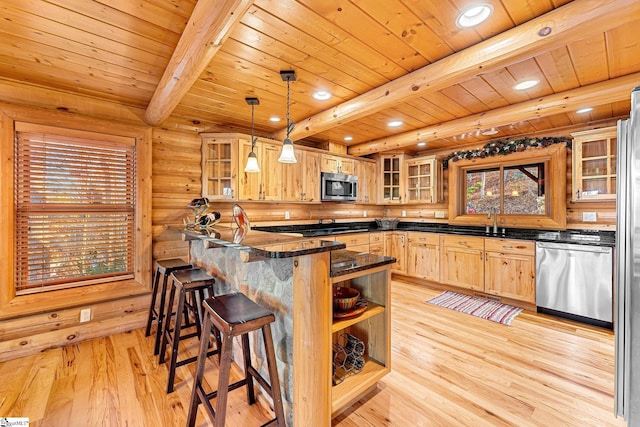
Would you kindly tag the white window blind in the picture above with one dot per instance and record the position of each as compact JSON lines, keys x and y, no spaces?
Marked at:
{"x":74,"y":200}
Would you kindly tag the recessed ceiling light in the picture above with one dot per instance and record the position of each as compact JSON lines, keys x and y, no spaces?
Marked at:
{"x":274,"y":119}
{"x":584,"y":110}
{"x":474,"y":15}
{"x":394,"y":123}
{"x":321,"y":95}
{"x":421,"y":144}
{"x":490,"y":132}
{"x":527,"y":84}
{"x":348,"y":138}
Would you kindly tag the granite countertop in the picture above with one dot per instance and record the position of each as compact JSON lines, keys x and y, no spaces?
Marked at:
{"x":346,"y":262}
{"x":580,"y":237}
{"x":260,"y":243}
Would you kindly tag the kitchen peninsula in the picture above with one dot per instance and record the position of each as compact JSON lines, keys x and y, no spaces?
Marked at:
{"x":293,"y":277}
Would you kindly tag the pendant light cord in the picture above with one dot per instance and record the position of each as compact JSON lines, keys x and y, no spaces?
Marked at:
{"x":288,"y":102}
{"x":253,"y":140}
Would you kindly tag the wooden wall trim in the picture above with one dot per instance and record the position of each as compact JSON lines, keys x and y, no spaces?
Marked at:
{"x":7,"y":258}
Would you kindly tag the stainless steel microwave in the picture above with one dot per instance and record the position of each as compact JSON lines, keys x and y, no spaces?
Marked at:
{"x":338,"y":187}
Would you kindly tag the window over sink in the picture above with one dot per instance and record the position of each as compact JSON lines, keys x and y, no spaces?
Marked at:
{"x":524,"y":189}
{"x":515,"y":189}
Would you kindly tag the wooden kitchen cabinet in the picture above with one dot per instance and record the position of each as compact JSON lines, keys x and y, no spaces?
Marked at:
{"x":395,"y":245}
{"x":510,"y":269}
{"x":422,"y":180}
{"x":423,"y":255}
{"x":463,"y":262}
{"x":500,"y":267}
{"x":219,"y":166}
{"x":376,"y":243}
{"x":338,"y":164}
{"x":594,"y":164}
{"x":358,"y":242}
{"x":266,"y":184}
{"x":392,"y":178}
{"x":301,"y":180}
{"x":367,"y":173}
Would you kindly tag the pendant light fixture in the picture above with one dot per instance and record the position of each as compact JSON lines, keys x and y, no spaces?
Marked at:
{"x":252,"y":161}
{"x":287,"y":155}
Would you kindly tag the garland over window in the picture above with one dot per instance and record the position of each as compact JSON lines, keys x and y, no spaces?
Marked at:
{"x":503,"y":148}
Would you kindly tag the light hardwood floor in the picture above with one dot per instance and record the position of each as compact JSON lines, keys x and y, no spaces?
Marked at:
{"x":448,"y":369}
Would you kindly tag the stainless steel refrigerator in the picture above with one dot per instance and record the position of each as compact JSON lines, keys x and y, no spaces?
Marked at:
{"x":627,"y":311}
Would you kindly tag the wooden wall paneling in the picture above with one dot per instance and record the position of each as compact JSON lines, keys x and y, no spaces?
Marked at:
{"x":176,"y":181}
{"x":34,"y":343}
{"x":168,"y":243}
{"x":22,"y":327}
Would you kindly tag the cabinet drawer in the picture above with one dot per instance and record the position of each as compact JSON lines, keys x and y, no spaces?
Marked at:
{"x":419,"y":237}
{"x":467,"y":242}
{"x":375,"y":238}
{"x":520,"y":247}
{"x":353,"y":239}
{"x":376,"y":249}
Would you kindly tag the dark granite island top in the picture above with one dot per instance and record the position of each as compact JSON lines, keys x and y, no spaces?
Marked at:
{"x":256,"y":244}
{"x":344,"y":262}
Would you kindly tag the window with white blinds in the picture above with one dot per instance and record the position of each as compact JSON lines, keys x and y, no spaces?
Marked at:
{"x":75,"y":205}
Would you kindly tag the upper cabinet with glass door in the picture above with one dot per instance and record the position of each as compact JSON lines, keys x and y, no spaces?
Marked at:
{"x":219,"y":161}
{"x":392,"y":184}
{"x":594,"y":164}
{"x":422,"y":180}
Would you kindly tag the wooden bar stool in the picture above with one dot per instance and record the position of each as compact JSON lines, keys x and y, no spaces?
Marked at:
{"x":164,"y":267}
{"x":233,"y":315}
{"x":190,"y":285}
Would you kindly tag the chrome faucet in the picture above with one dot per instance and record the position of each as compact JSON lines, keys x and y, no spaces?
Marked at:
{"x":493,"y":211}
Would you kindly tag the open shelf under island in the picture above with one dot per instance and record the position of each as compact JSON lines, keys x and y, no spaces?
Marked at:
{"x":293,"y":277}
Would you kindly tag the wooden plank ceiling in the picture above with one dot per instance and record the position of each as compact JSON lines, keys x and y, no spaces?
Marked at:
{"x":192,"y":64}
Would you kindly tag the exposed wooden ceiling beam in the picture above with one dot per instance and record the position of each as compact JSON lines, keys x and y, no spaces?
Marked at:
{"x":209,"y":25}
{"x":606,"y":92}
{"x":574,"y":21}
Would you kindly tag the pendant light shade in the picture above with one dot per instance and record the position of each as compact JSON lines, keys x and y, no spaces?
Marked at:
{"x":252,"y":163}
{"x":287,"y":154}
{"x":252,"y":160}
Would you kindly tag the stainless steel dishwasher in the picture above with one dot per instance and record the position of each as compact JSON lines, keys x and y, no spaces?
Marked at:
{"x":575,"y":281}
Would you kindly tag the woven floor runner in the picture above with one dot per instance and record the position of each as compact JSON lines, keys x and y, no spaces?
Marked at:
{"x":479,"y":307}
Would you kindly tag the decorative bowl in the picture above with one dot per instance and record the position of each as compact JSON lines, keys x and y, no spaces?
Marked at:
{"x":387,"y":223}
{"x":344,"y":298}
